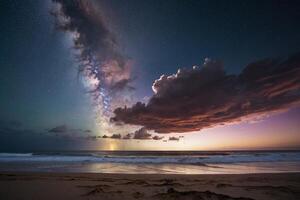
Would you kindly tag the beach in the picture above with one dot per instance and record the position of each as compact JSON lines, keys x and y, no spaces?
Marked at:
{"x":75,"y":186}
{"x":149,"y":100}
{"x":240,"y":175}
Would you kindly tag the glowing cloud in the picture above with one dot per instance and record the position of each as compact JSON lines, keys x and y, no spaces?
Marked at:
{"x":206,"y":96}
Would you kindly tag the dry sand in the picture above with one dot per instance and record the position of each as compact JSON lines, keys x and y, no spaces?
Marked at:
{"x":54,"y":186}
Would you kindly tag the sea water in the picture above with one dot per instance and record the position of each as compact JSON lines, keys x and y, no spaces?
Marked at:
{"x":153,"y":162}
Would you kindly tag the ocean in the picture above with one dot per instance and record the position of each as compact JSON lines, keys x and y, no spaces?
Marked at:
{"x":153,"y":162}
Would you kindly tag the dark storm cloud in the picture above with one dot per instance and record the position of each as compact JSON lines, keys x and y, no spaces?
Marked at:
{"x":100,"y":55}
{"x":142,"y":134}
{"x":206,"y":96}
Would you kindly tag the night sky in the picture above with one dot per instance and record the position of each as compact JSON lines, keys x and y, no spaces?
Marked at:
{"x":46,"y":103}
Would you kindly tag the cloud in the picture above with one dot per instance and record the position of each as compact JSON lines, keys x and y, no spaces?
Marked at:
{"x":15,"y":140}
{"x":142,"y":134}
{"x":116,"y":136}
{"x":17,"y":136}
{"x":174,"y":138}
{"x":206,"y":96}
{"x":59,"y":129}
{"x":156,"y":137}
{"x":127,"y":137}
{"x":91,"y":137}
{"x":63,"y":131}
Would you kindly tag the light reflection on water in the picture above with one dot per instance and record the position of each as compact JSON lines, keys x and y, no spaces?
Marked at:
{"x":237,"y":168}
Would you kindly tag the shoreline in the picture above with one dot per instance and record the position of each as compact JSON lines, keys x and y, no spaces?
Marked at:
{"x":48,"y":185}
{"x":42,"y":173}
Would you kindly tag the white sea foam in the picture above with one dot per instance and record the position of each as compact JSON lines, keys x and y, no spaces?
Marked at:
{"x":201,"y":159}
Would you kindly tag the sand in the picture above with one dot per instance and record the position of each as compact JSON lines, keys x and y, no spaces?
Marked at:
{"x":55,"y":186}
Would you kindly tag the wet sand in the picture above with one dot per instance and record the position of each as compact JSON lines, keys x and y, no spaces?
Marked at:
{"x":46,"y":186}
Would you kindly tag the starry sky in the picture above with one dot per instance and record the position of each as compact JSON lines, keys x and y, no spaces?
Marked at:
{"x":46,"y":104}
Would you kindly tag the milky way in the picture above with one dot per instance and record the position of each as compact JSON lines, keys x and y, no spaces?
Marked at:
{"x":106,"y":70}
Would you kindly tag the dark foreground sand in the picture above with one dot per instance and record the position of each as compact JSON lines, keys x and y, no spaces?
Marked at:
{"x":54,"y":186}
